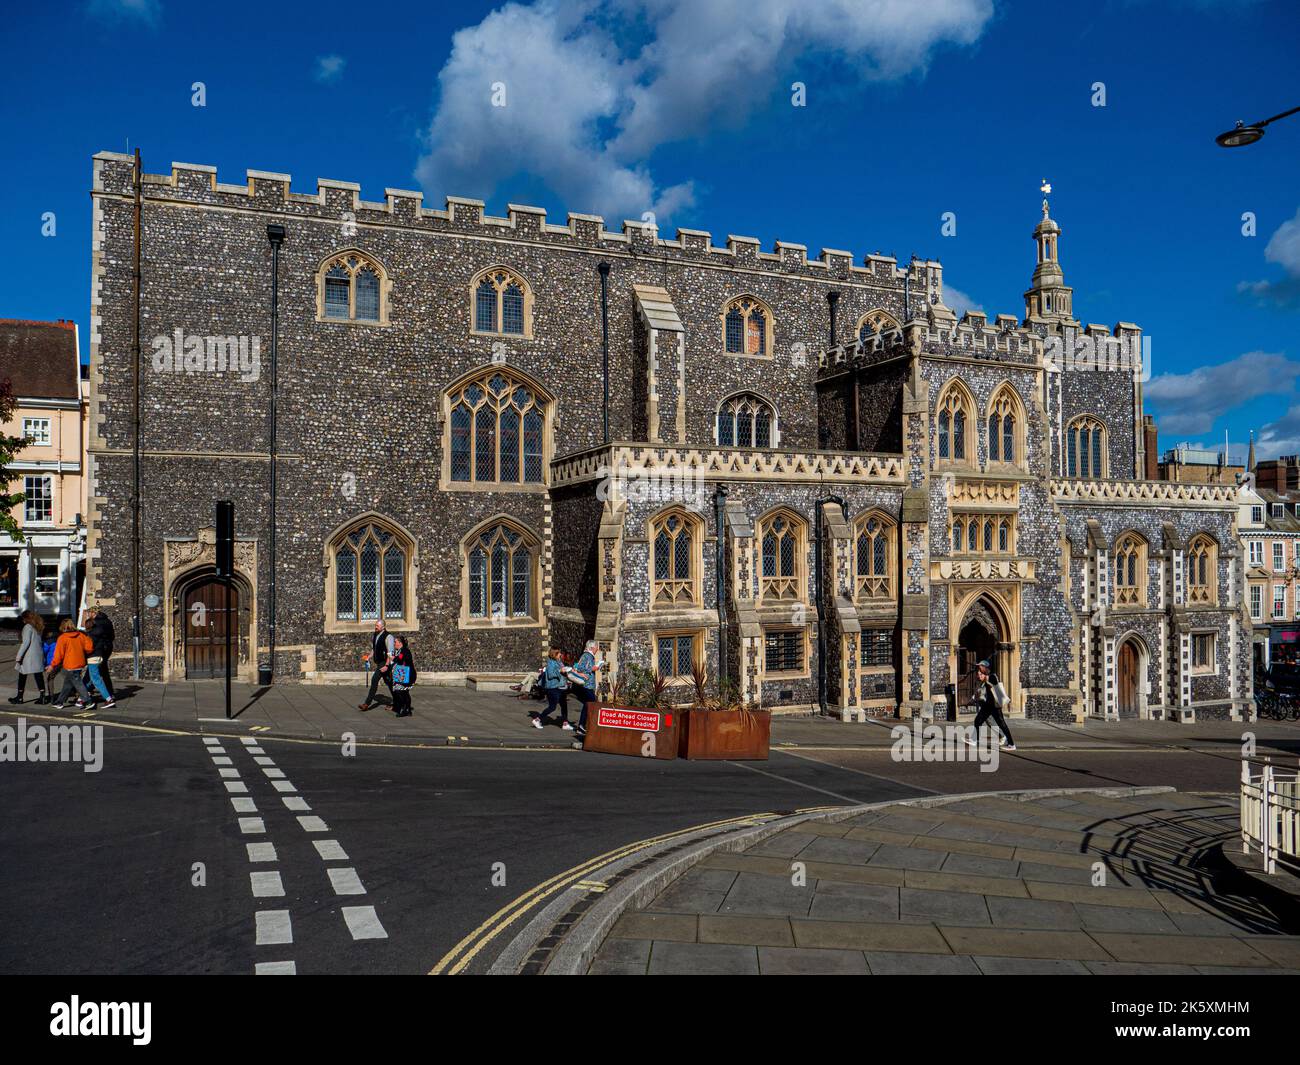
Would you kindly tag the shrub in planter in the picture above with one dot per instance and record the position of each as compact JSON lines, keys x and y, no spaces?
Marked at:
{"x":722,"y":725}
{"x":635,"y":720}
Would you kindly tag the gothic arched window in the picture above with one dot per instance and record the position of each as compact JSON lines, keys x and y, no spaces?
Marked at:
{"x":1202,"y":570}
{"x":497,"y":426}
{"x":781,"y":536}
{"x":747,"y":421}
{"x":1006,"y":422}
{"x":747,"y":327}
{"x":352,"y":288}
{"x":874,"y":550}
{"x":501,"y":575}
{"x":1130,"y":570}
{"x":953,"y":414}
{"x":1085,"y":448}
{"x":874,"y":322}
{"x":674,"y":558}
{"x":502,"y":303}
{"x":370,"y":577}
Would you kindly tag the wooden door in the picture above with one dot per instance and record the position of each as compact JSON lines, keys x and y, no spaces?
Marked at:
{"x":206,"y":616}
{"x":1128,"y":681}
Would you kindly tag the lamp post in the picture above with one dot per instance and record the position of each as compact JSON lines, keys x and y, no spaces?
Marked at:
{"x":1242,"y":134}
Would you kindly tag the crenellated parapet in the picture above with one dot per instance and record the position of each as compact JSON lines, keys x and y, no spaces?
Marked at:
{"x":1143,"y":493}
{"x":339,"y":202}
{"x":973,"y":336}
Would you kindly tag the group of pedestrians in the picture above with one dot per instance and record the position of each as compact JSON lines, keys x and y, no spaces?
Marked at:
{"x":390,"y":660}
{"x":560,"y":680}
{"x":41,"y":654}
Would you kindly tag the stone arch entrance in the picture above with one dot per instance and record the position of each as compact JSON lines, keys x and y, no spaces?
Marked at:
{"x":1130,"y":676}
{"x":201,"y":615}
{"x":983,"y":635}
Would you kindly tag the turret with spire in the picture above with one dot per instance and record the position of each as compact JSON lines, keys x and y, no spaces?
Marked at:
{"x":1049,"y":298}
{"x":1250,"y":455}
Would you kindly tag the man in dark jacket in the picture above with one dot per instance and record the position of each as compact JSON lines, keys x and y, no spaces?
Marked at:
{"x":100,"y":631}
{"x":379,"y":656}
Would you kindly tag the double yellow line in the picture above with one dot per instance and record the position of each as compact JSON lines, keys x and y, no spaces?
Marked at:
{"x":459,"y":957}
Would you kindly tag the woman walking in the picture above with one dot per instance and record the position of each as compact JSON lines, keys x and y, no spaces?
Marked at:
{"x":556,"y":692}
{"x":989,"y":697}
{"x":100,"y":631}
{"x":403,"y":669}
{"x":70,"y":653}
{"x":30,"y":660}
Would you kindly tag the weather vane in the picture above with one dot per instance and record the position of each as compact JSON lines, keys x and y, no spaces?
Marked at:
{"x":1046,"y":189}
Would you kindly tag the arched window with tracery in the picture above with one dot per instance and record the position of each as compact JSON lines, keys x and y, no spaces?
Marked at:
{"x":1130,"y":570}
{"x":1006,"y":423}
{"x":874,"y":548}
{"x":1202,"y":570}
{"x":782,"y":537}
{"x":747,"y":327}
{"x":501,"y":575}
{"x":497,"y":425}
{"x":674,"y":559}
{"x":745,"y":420}
{"x":370,"y":577}
{"x":1085,"y":448}
{"x":953,"y":416}
{"x":874,"y":322}
{"x":352,"y":288}
{"x":502,"y":303}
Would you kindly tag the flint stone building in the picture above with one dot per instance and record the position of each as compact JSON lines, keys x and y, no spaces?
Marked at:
{"x":815,"y":481}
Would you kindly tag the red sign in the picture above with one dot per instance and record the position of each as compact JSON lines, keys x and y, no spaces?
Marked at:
{"x":636,"y":720}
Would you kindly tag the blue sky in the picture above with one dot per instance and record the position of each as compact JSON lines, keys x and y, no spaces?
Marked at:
{"x":684,"y":108}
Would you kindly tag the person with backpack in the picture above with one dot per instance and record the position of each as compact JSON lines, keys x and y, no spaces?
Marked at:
{"x":556,"y":691}
{"x":990,"y":698}
{"x":70,"y":654}
{"x":403,"y":670}
{"x":100,"y":631}
{"x":30,"y":660}
{"x":379,"y":658}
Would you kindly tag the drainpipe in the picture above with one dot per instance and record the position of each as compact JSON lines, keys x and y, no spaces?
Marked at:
{"x":135,"y":432}
{"x":275,"y":234}
{"x":818,"y":581}
{"x":720,"y":579}
{"x":603,"y":268}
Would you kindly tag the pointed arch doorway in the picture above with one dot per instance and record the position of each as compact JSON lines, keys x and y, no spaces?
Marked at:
{"x":983,"y":635}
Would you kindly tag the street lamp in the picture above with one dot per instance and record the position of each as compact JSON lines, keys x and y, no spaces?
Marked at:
{"x":1242,"y":134}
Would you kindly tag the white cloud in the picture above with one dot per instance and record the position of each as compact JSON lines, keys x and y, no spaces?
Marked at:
{"x":329,"y":68}
{"x":1190,"y":403}
{"x":1283,"y":248}
{"x":147,"y":11}
{"x":594,"y":87}
{"x":958,"y":302}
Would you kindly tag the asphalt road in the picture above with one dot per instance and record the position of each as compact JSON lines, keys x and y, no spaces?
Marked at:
{"x":106,"y":861}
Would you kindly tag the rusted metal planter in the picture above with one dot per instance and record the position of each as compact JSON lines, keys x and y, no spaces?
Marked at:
{"x":634,"y":730}
{"x":739,"y":735}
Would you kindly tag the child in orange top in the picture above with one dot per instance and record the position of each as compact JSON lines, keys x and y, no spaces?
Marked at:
{"x":70,"y":653}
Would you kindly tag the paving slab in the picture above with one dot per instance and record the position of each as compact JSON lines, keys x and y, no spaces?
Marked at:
{"x":756,"y":931}
{"x":703,"y":959}
{"x":1180,"y":949}
{"x":898,"y":963}
{"x":802,"y":961}
{"x":1020,"y":943}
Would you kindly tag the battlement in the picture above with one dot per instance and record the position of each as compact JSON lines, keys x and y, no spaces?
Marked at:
{"x":340,"y":201}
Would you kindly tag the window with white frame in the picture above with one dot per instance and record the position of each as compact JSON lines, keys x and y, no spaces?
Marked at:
{"x":1257,"y":515}
{"x":46,"y":580}
{"x":1256,"y":553}
{"x":1279,"y":510}
{"x":1256,"y":602}
{"x":1279,"y":555}
{"x":37,"y":430}
{"x":38,"y":504}
{"x":1279,"y":600}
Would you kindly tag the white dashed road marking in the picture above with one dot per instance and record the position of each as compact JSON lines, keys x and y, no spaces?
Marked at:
{"x":283,"y":785}
{"x":266,"y":885}
{"x":243,"y":806}
{"x":261,"y":759}
{"x":248,"y":741}
{"x":210,"y":740}
{"x":252,"y":826}
{"x":219,"y":760}
{"x":330,"y":850}
{"x":296,"y":802}
{"x":261,"y":852}
{"x":274,"y":926}
{"x":363,"y":922}
{"x":346,"y":882}
{"x":236,"y":786}
{"x":273,"y":773}
{"x":276,"y":968}
{"x":229,"y":774}
{"x":313,"y":824}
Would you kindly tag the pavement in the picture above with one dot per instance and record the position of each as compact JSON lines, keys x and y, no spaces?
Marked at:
{"x":1063,"y":884}
{"x":456,"y":716}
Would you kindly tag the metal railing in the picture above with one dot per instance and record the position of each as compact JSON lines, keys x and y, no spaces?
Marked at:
{"x":1270,"y":812}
